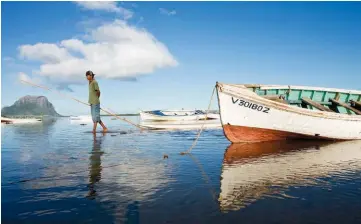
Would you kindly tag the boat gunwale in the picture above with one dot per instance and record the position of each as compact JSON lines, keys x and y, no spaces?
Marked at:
{"x":248,"y":94}
{"x":295,"y":87}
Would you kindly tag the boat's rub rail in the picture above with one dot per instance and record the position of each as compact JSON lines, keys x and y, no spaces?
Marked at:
{"x":269,"y":87}
{"x":249,"y":95}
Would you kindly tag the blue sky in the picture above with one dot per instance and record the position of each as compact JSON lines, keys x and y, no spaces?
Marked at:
{"x":296,"y":43}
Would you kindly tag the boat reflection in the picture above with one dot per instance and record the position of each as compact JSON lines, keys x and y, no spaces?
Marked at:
{"x":254,"y":171}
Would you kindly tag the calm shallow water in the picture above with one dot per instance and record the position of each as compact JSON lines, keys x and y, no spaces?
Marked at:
{"x":59,"y":172}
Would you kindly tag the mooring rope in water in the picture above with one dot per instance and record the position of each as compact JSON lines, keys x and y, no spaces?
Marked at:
{"x":47,"y":88}
{"x":205,"y":176}
{"x":201,"y":129}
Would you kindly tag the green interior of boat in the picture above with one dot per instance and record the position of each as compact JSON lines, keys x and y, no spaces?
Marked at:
{"x":337,"y":102}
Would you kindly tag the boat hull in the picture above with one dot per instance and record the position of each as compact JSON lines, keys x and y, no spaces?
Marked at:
{"x":20,"y":121}
{"x":153,"y":117}
{"x":238,"y":134}
{"x":181,"y":125}
{"x":246,"y":117}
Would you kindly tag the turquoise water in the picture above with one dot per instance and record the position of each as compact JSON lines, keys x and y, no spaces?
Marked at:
{"x":60,"y":173}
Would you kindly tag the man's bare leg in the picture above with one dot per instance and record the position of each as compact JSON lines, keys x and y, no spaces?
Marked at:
{"x":105,"y":129}
{"x":95,"y":127}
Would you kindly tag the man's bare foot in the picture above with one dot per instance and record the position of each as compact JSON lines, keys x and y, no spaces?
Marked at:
{"x":105,"y":129}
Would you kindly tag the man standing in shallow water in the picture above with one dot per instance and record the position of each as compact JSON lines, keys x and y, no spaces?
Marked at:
{"x":94,"y":94}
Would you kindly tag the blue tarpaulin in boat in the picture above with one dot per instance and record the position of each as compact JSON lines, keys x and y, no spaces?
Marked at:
{"x":158,"y":112}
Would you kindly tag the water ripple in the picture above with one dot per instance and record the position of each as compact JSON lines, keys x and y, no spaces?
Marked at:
{"x":61,"y":171}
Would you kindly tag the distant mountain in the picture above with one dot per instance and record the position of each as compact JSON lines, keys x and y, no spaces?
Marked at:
{"x":30,"y":105}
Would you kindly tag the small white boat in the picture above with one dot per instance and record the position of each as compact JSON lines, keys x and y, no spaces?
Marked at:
{"x":5,"y":120}
{"x":181,"y":125}
{"x":256,"y":113}
{"x":81,"y":118}
{"x":176,"y":115}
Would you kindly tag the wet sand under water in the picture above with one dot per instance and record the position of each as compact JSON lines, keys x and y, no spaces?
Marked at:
{"x":61,"y":172}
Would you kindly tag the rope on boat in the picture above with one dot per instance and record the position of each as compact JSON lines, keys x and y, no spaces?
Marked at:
{"x":46,"y":88}
{"x":201,"y":129}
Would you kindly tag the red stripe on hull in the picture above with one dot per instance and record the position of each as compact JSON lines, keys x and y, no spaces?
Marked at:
{"x":238,"y":134}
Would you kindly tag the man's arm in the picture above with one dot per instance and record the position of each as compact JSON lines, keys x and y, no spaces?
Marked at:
{"x":96,"y":88}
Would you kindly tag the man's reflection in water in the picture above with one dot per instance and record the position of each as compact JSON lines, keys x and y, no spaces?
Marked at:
{"x":95,"y":167}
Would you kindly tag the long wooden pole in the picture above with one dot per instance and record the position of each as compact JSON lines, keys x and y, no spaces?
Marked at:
{"x":46,"y":88}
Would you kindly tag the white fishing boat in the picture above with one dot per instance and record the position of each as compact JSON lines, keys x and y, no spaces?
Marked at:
{"x":181,"y":125}
{"x":176,"y":115}
{"x":5,"y":120}
{"x":252,"y":171}
{"x":256,"y":113}
{"x":81,"y":119}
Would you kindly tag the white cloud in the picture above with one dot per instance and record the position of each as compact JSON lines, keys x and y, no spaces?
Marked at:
{"x":109,"y":6}
{"x":25,"y":77}
{"x":48,"y":53}
{"x":167,"y":12}
{"x":117,"y":50}
{"x":89,"y":22}
{"x":8,"y":59}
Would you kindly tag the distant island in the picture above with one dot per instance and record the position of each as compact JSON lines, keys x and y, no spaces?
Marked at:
{"x":30,"y":106}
